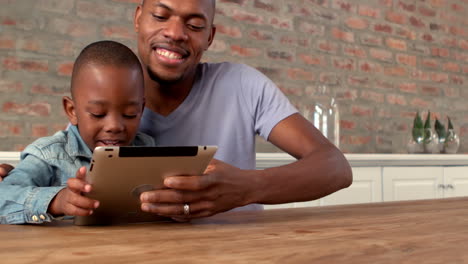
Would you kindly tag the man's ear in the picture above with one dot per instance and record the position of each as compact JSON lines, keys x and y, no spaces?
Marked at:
{"x":69,"y":108}
{"x":136,"y":18}
{"x":211,"y":37}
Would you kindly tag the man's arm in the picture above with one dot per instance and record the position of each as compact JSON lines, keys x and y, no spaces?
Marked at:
{"x":4,"y":170}
{"x":321,"y":168}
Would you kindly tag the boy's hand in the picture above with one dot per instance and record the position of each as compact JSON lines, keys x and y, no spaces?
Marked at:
{"x":70,"y":201}
{"x":4,"y":170}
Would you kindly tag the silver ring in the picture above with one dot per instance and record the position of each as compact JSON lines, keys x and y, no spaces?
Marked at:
{"x":186,"y":209}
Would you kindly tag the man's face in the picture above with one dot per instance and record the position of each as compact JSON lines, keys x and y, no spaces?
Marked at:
{"x":107,"y":105}
{"x":172,"y":36}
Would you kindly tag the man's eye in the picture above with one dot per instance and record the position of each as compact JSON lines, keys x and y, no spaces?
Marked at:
{"x":158,"y":17}
{"x":195,"y":27}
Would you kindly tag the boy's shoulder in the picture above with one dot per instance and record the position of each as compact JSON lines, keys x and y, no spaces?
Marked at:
{"x":48,"y":147}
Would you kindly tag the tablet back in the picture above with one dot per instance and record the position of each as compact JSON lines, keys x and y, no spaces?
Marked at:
{"x":120,"y":174}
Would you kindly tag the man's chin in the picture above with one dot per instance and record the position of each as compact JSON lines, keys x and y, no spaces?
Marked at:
{"x":163,"y":79}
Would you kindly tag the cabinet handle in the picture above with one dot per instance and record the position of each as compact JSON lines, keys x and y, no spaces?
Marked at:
{"x":450,"y":186}
{"x":441,"y":186}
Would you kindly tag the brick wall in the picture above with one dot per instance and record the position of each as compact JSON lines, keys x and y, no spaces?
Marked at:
{"x":384,"y":59}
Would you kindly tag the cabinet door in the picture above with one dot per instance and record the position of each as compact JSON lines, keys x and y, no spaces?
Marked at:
{"x":455,"y":181}
{"x":412,"y":183}
{"x":366,"y":188}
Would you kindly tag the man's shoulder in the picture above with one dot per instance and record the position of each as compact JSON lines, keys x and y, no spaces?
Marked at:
{"x":228,"y":68}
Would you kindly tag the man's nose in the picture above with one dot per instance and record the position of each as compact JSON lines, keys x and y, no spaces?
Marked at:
{"x":176,"y":30}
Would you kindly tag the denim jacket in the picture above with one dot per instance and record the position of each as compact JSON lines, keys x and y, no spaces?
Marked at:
{"x":45,"y":167}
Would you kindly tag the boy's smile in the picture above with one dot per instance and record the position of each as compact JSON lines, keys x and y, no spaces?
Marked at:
{"x":107,"y":104}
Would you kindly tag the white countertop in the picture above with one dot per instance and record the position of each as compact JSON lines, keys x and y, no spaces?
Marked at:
{"x":266,"y":160}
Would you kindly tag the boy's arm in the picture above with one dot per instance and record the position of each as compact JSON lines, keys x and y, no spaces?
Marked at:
{"x":26,"y":192}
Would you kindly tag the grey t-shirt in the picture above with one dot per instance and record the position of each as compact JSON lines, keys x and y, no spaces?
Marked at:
{"x":228,"y":105}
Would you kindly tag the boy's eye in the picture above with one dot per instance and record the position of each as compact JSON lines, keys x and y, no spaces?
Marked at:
{"x":97,"y":115}
{"x":130,"y":116}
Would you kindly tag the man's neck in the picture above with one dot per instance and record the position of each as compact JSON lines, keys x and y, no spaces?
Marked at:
{"x":165,"y":98}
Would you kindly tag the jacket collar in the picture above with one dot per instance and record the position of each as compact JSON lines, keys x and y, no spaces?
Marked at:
{"x":76,"y":146}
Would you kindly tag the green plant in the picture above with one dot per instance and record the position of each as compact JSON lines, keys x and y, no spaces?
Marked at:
{"x":427,"y":128}
{"x":418,"y":129}
{"x":440,"y":130}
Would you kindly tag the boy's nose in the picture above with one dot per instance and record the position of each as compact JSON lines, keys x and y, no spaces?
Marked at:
{"x":114,"y":125}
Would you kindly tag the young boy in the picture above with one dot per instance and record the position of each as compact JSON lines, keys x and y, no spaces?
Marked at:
{"x":104,"y":110}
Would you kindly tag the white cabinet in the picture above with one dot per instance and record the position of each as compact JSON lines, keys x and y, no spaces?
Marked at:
{"x":366,"y":188}
{"x":414,"y":183}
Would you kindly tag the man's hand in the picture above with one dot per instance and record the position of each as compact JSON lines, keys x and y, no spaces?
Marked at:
{"x":4,"y":170}
{"x":70,"y":201}
{"x":222,"y":187}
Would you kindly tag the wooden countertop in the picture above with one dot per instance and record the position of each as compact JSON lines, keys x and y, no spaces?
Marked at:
{"x":428,"y":231}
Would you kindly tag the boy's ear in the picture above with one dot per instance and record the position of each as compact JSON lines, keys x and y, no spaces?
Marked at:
{"x":69,"y":108}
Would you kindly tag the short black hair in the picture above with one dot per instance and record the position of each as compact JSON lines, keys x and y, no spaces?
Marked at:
{"x":105,"y":52}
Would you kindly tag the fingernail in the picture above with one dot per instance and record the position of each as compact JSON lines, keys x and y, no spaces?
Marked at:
{"x":145,"y":207}
{"x":169,"y":182}
{"x":143,"y":197}
{"x":96,"y":204}
{"x":87,"y":188}
{"x":91,"y":212}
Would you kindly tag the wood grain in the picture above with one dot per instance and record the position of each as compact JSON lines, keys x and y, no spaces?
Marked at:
{"x":429,"y":231}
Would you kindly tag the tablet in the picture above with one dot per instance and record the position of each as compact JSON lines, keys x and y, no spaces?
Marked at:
{"x":120,"y":174}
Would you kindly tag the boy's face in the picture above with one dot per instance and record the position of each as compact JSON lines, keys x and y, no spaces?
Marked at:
{"x":107,"y":104}
{"x":173,"y":35}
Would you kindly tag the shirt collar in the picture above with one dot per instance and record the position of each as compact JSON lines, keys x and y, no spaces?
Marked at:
{"x":76,"y":146}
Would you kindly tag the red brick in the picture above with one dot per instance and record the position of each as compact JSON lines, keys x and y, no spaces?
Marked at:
{"x":311,"y":59}
{"x":12,"y":63}
{"x":10,"y":86}
{"x":342,"y":35}
{"x":395,"y":71}
{"x":406,"y":33}
{"x":358,"y":81}
{"x":440,"y":52}
{"x":382,"y":55}
{"x":8,"y":129}
{"x":39,"y":130}
{"x":418,"y":102}
{"x":230,"y":31}
{"x":450,"y":66}
{"x":420,"y":75}
{"x":261,"y":35}
{"x":268,"y":5}
{"x":369,"y":11}
{"x":439,"y":77}
{"x":344,"y":5}
{"x":450,"y":42}
{"x":61,"y":7}
{"x":285,"y":23}
{"x":312,"y":29}
{"x":355,"y":140}
{"x":354,"y":51}
{"x":7,"y":42}
{"x":344,"y":64}
{"x":347,"y":125}
{"x":98,"y":10}
{"x":457,"y":31}
{"x":361,"y":111}
{"x":65,"y":69}
{"x":47,"y":90}
{"x":370,"y":67}
{"x":327,"y":46}
{"x":409,"y":88}
{"x":371,"y":40}
{"x":128,"y":1}
{"x":451,"y":92}
{"x":396,"y":44}
{"x":247,"y":17}
{"x":32,"y":109}
{"x":218,"y":46}
{"x":300,"y":74}
{"x":416,"y":22}
{"x":74,"y":28}
{"x":427,"y":11}
{"x":118,"y":32}
{"x":383,"y":28}
{"x":427,"y":37}
{"x":396,"y":17}
{"x":244,"y":52}
{"x":430,"y":90}
{"x":405,"y":59}
{"x":372,"y":96}
{"x":329,"y":78}
{"x":357,"y":23}
{"x":280,"y":55}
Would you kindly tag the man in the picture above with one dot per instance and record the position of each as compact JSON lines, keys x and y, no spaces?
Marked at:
{"x":189,"y":103}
